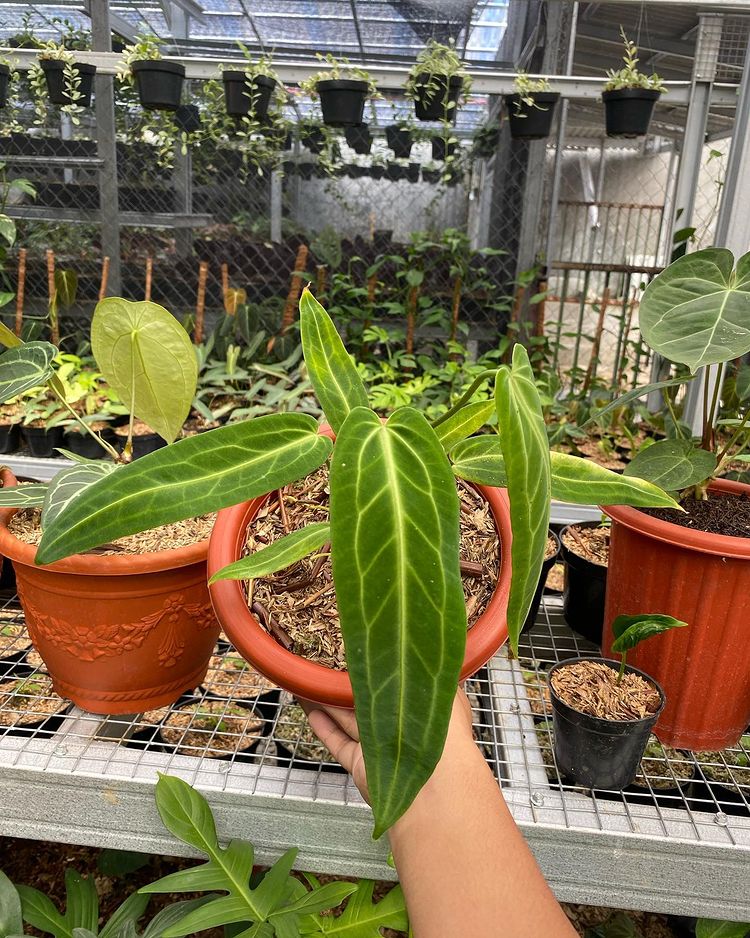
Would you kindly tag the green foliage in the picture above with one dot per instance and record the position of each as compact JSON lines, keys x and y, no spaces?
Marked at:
{"x":618,"y":925}
{"x":335,"y":70}
{"x":629,"y":76}
{"x":437,"y":61}
{"x":11,"y":921}
{"x":708,"y":928}
{"x":630,"y":631}
{"x":672,"y":464}
{"x":277,"y":556}
{"x":526,"y":87}
{"x":24,"y":367}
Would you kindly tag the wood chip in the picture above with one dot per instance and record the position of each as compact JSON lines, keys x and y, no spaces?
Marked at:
{"x":591,"y":687}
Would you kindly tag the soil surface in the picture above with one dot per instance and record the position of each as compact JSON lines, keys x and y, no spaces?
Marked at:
{"x":230,"y":676}
{"x":590,"y":543}
{"x":211,"y":728}
{"x":13,"y":636}
{"x":139,"y":429}
{"x":717,"y":514}
{"x":592,"y":687}
{"x":550,"y":549}
{"x":556,"y":578}
{"x":293,"y":729}
{"x":28,"y":700}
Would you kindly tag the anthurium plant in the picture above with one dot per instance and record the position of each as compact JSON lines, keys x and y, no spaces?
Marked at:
{"x":394,"y":529}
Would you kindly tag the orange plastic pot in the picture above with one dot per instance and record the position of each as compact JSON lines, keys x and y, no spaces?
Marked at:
{"x":308,"y":679}
{"x":703,"y":579}
{"x":118,"y":634}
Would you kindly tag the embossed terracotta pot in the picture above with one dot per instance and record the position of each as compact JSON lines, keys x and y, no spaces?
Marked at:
{"x":703,"y":579}
{"x":118,"y":634}
{"x":311,"y":680}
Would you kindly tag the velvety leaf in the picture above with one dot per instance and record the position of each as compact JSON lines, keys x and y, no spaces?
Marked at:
{"x":630,"y":631}
{"x":697,"y":311}
{"x":278,"y":555}
{"x":81,"y":901}
{"x":708,"y":928}
{"x":197,"y":475}
{"x":633,"y":395}
{"x":149,"y":360}
{"x":7,"y":229}
{"x":362,"y":918}
{"x":8,"y":338}
{"x":25,"y":366}
{"x":464,"y":422}
{"x":39,"y":912}
{"x":23,"y":496}
{"x":527,"y":465}
{"x":394,"y":536}
{"x":70,"y":484}
{"x":11,"y":921}
{"x":185,"y":813}
{"x":672,"y":464}
{"x":333,"y":374}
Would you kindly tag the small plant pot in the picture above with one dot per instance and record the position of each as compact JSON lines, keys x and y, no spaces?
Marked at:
{"x":657,"y":780}
{"x":395,"y":172}
{"x":412,"y":172}
{"x":147,"y":443}
{"x":229,"y":676}
{"x":597,"y":753}
{"x":314,"y":140}
{"x":42,"y":442}
{"x":359,"y":139}
{"x":159,"y":83}
{"x":296,"y":744}
{"x":399,"y":140}
{"x":441,"y":149}
{"x":628,"y":111}
{"x":216,"y":728}
{"x":187,"y":117}
{"x":434,"y":95}
{"x":713,"y":796}
{"x":547,"y":565}
{"x":531,"y":122}
{"x":83,"y":444}
{"x":377,"y":171}
{"x":245,"y":96}
{"x":432,"y":176}
{"x":4,"y":81}
{"x":54,"y":72}
{"x":10,"y":438}
{"x":585,"y":589}
{"x":342,"y":101}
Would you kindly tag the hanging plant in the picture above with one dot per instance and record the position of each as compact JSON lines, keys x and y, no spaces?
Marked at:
{"x":248,"y":92}
{"x":531,"y":108}
{"x":629,"y":96}
{"x":159,"y":83}
{"x":437,"y":81}
{"x":57,"y":77}
{"x":342,"y":89}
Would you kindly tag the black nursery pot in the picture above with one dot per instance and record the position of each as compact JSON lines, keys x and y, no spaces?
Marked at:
{"x":433,"y":94}
{"x":42,"y":442}
{"x":394,"y":172}
{"x":159,"y":83}
{"x":531,"y":122}
{"x":4,"y":80}
{"x":188,"y":117}
{"x":314,"y":140}
{"x":432,"y":176}
{"x":537,"y":600}
{"x":10,"y":438}
{"x":244,"y":96}
{"x":399,"y":140}
{"x":83,"y":444}
{"x":359,"y":138}
{"x":342,"y":101}
{"x":585,"y":589}
{"x":147,"y":443}
{"x":441,"y":149}
{"x":412,"y":172}
{"x":54,"y":72}
{"x":627,"y":111}
{"x":599,"y":753}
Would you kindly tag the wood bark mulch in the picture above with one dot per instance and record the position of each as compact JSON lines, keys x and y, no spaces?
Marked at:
{"x":590,"y":543}
{"x":592,"y":687}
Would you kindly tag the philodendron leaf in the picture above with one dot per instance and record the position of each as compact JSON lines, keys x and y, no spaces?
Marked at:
{"x":70,"y":484}
{"x":11,"y":921}
{"x":149,"y":360}
{"x":697,"y":311}
{"x":25,"y":366}
{"x":333,"y":374}
{"x":527,"y":466}
{"x":197,"y":475}
{"x":394,"y":539}
{"x":277,"y":556}
{"x":81,"y":901}
{"x":464,"y":422}
{"x":362,"y":918}
{"x":672,"y":464}
{"x":39,"y":912}
{"x":630,"y":631}
{"x":23,"y":496}
{"x":572,"y":479}
{"x":708,"y":928}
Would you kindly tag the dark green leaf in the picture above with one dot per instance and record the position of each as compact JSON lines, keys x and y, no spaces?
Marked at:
{"x":394,"y":535}
{"x":333,"y":374}
{"x":742,"y":383}
{"x":128,"y":911}
{"x":633,"y":396}
{"x":39,"y":912}
{"x":81,"y":901}
{"x":629,"y":631}
{"x":23,"y":496}
{"x":113,"y":862}
{"x":618,"y":925}
{"x":70,"y":484}
{"x":197,"y":475}
{"x":223,"y":910}
{"x":23,"y":367}
{"x":172,"y":914}
{"x":11,"y":921}
{"x":271,"y":891}
{"x":707,"y":928}
{"x":278,"y":555}
{"x":464,"y":422}
{"x":185,"y":813}
{"x":672,"y":464}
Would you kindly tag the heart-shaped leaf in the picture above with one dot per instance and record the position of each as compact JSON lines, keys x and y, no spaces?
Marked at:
{"x":672,"y":464}
{"x":394,"y":538}
{"x":630,"y":631}
{"x":697,"y":311}
{"x":23,"y":367}
{"x":149,"y":360}
{"x":277,"y":556}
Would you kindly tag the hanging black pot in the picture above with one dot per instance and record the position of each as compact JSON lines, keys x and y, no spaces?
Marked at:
{"x":399,"y":140}
{"x":599,"y":753}
{"x":10,"y":438}
{"x":441,"y":148}
{"x":188,"y":118}
{"x":377,"y":171}
{"x":585,"y":586}
{"x":342,"y":101}
{"x":4,"y":80}
{"x":313,"y":139}
{"x":433,"y":176}
{"x":412,"y":172}
{"x":434,"y":95}
{"x":359,"y":138}
{"x":531,"y":121}
{"x":54,"y":72}
{"x":159,"y":83}
{"x":247,"y":96}
{"x":395,"y":171}
{"x":42,"y":442}
{"x":628,"y":111}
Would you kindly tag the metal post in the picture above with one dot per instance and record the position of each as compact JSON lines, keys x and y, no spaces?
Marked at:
{"x":182,"y":173}
{"x":276,"y":184}
{"x":106,"y":141}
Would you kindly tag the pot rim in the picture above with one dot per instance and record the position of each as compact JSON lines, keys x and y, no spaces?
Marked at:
{"x":601,"y":721}
{"x":648,"y":94}
{"x":341,"y":84}
{"x":55,"y":65}
{"x":722,"y":545}
{"x":95,"y":564}
{"x":424,"y":78}
{"x":158,"y":65}
{"x":230,"y":75}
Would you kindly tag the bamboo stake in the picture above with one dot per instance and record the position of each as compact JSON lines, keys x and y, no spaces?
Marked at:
{"x":541,"y":287}
{"x":224,"y":284}
{"x":411,"y":318}
{"x":21,"y":289}
{"x":321,"y":281}
{"x":200,"y":306}
{"x":105,"y":278}
{"x":295,"y":288}
{"x":597,"y":342}
{"x":455,"y":307}
{"x":54,"y":323}
{"x":149,"y":278}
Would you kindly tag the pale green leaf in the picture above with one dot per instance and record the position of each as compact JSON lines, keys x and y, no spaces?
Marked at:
{"x":23,"y":496}
{"x":70,"y":484}
{"x":319,"y":900}
{"x":7,"y":230}
{"x":362,"y":918}
{"x":708,"y":928}
{"x":697,"y":311}
{"x":7,"y":338}
{"x":672,"y":464}
{"x":25,"y":366}
{"x":333,"y":374}
{"x":195,"y":476}
{"x":185,"y":813}
{"x":630,"y":631}
{"x":464,"y":422}
{"x":171,"y":915}
{"x":527,"y":465}
{"x":128,"y":911}
{"x":278,"y":555}
{"x":394,"y":536}
{"x":11,"y":922}
{"x":633,"y":395}
{"x":149,"y":360}
{"x":81,"y":901}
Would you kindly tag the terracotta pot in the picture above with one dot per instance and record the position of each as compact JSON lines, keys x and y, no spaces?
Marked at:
{"x":118,"y":634}
{"x":308,"y":679}
{"x":703,"y":579}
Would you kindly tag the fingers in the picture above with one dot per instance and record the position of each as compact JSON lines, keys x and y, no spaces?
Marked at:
{"x":341,"y":746}
{"x":345,"y":719}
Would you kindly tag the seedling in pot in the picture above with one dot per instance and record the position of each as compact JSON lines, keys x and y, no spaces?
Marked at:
{"x":630,"y":631}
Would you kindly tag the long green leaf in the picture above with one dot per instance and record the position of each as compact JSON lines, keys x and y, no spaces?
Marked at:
{"x":81,"y":901}
{"x":149,"y":360}
{"x":39,"y":912}
{"x":11,"y":921}
{"x":23,"y":496}
{"x":633,"y":396}
{"x":186,"y":814}
{"x":200,"y":474}
{"x":527,"y":465}
{"x":70,"y":484}
{"x":394,"y":537}
{"x":128,"y":911}
{"x":222,"y":911}
{"x":7,"y":338}
{"x":672,"y":464}
{"x":708,"y":928}
{"x":23,"y":367}
{"x":170,"y":915}
{"x":279,"y":555}
{"x":464,"y":422}
{"x":630,"y":631}
{"x":333,"y":374}
{"x":697,"y":311}
{"x":362,"y":918}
